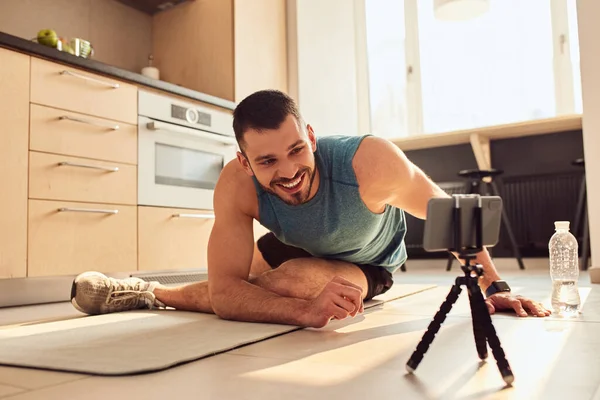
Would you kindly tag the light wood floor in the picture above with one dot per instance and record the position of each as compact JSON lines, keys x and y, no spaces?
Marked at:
{"x":365,"y":358}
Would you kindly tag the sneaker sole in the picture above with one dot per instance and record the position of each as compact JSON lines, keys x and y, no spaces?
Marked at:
{"x":74,"y":287}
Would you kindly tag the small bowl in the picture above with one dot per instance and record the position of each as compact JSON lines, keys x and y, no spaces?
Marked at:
{"x":82,"y":48}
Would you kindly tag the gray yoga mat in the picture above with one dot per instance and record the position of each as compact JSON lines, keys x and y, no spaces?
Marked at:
{"x":139,"y":341}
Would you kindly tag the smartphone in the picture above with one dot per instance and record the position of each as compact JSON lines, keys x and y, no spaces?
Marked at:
{"x":439,"y":228}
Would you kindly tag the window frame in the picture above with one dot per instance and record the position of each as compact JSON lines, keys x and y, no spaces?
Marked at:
{"x":562,"y":64}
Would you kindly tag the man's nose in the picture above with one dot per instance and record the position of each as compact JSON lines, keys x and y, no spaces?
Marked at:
{"x":288,"y":171}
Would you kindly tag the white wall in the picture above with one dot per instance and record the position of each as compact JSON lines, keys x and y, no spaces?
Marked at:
{"x":322,"y":38}
{"x":589,"y":30}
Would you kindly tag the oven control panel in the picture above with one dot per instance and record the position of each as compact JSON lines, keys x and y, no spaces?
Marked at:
{"x":196,"y":116}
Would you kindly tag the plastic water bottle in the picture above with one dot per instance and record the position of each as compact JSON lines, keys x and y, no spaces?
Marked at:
{"x":564,"y":270}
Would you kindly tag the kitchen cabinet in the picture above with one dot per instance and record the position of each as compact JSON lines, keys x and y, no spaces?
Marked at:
{"x":58,"y":177}
{"x":225,"y":48}
{"x":69,"y":133}
{"x":82,"y":182}
{"x":14,"y":138}
{"x":67,"y":88}
{"x":176,"y":239}
{"x":66,"y":238}
{"x":69,"y":158}
{"x":171,"y":238}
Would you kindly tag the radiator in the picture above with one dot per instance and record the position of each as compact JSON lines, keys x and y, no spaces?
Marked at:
{"x":532,"y":204}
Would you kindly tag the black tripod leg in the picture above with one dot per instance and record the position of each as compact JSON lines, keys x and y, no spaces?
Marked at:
{"x":433,"y":328}
{"x":483,"y":316}
{"x":478,"y":332}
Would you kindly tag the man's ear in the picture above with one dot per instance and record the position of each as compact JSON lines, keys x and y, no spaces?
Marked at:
{"x":311,"y":137}
{"x":243,"y":160}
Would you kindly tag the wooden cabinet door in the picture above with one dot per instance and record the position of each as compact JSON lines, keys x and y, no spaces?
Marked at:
{"x":68,"y":88}
{"x":260,"y":33}
{"x":173,"y":239}
{"x":58,"y":177}
{"x":14,"y":138}
{"x":64,"y":132}
{"x":239,"y":46}
{"x":67,"y":238}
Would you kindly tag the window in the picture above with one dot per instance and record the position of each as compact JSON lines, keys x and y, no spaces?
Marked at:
{"x":387,"y":65}
{"x":507,"y":65}
{"x":490,"y":70}
{"x":574,"y":55}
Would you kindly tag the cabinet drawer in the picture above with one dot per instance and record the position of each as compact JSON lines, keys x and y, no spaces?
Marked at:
{"x":72,"y":89}
{"x":73,"y":241}
{"x":63,"y":132}
{"x":172,"y":238}
{"x":56,"y":177}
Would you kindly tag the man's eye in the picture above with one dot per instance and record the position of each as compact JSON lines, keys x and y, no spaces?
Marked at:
{"x":297,"y":150}
{"x":267,"y":162}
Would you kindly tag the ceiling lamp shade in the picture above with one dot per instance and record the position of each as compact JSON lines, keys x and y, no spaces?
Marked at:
{"x":458,"y":10}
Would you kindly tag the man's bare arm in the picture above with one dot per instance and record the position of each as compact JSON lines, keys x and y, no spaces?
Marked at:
{"x":230,"y":251}
{"x":391,"y":178}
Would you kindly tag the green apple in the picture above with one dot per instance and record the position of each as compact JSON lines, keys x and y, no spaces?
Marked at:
{"x":47,"y":37}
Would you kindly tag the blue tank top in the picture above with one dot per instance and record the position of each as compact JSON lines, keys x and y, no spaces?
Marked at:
{"x":335,"y":223}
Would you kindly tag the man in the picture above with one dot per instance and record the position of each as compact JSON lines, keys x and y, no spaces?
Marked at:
{"x":335,"y":208}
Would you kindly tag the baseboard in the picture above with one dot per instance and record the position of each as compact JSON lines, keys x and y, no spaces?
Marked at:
{"x":54,"y":289}
{"x":594,"y":274}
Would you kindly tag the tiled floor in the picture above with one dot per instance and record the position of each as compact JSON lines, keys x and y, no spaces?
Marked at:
{"x":364,"y":358}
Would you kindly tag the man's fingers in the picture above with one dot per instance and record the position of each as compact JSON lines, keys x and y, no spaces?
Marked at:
{"x":518,"y":307}
{"x":351,"y":293}
{"x":536,"y":308}
{"x":340,"y":313}
{"x":346,"y":305}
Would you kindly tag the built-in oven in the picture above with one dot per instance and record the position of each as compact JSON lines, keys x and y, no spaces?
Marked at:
{"x":182,"y":149}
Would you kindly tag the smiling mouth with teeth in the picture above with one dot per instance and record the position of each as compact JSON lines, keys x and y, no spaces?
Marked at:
{"x":292,"y":184}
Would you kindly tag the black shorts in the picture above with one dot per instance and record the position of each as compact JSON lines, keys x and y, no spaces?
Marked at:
{"x":275,"y":253}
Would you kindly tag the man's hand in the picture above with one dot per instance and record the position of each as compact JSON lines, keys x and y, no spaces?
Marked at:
{"x":506,"y":301}
{"x":339,"y":299}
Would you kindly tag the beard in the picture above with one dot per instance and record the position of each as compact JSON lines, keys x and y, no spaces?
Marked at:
{"x":297,"y":198}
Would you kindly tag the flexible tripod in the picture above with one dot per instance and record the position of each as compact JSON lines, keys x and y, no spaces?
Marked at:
{"x":483,"y":329}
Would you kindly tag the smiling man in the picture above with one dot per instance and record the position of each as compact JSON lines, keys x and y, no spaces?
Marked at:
{"x":335,"y":210}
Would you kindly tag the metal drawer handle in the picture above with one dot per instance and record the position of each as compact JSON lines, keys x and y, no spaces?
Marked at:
{"x":202,"y":216}
{"x":70,"y":164}
{"x":214,"y":137}
{"x":89,"y":122}
{"x":87,"y":78}
{"x":88,"y":210}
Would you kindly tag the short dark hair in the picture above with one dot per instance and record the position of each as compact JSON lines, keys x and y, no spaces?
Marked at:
{"x":265,"y":109}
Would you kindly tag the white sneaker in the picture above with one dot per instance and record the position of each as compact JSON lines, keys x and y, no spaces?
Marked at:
{"x":95,"y":293}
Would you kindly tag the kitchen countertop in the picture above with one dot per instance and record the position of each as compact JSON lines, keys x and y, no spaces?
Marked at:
{"x":34,"y":49}
{"x":564,"y":123}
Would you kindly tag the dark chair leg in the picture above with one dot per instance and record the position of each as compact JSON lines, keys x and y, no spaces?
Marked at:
{"x":579,"y":210}
{"x":403,"y":267}
{"x":509,"y":230}
{"x":451,"y":259}
{"x":586,"y":238}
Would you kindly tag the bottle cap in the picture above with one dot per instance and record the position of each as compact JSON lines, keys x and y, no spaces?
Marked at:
{"x":561,"y":225}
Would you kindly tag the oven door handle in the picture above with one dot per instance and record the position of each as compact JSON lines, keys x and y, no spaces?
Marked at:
{"x":201,"y":216}
{"x":158,"y":126}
